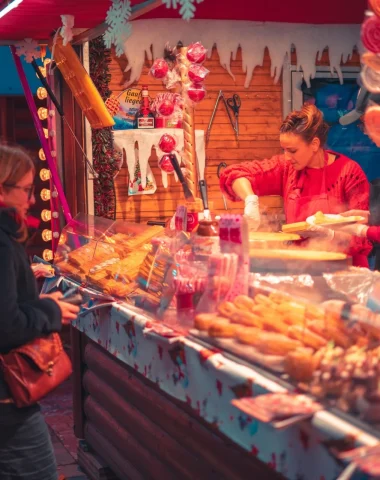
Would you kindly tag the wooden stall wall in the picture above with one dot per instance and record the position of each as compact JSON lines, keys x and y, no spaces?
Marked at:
{"x":259,"y":121}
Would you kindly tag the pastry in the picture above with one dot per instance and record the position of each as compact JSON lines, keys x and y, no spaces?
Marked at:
{"x":300,"y":364}
{"x":279,"y":297}
{"x":269,"y":343}
{"x":246,"y":318}
{"x":203,"y":321}
{"x":307,"y":337}
{"x":292,"y":312}
{"x":330,"y":332}
{"x":226,"y":309}
{"x":117,"y":289}
{"x":222,"y":328}
{"x":295,"y":227}
{"x":263,"y":300}
{"x":244,"y":303}
{"x":274,"y":323}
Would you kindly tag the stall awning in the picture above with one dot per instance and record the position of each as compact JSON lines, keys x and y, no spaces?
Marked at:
{"x":38,"y":19}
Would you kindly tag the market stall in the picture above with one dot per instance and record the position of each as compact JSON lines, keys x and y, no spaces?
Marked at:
{"x":182,"y":333}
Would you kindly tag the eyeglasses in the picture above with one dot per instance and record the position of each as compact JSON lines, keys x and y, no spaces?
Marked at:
{"x":28,"y":190}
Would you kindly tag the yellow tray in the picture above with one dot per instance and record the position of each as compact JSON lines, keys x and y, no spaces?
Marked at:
{"x":312,"y":255}
{"x":273,"y":237}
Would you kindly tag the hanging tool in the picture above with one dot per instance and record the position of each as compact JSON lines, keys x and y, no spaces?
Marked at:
{"x":235,"y":103}
{"x":220,"y":97}
{"x":186,"y":190}
{"x":222,"y":166}
{"x":59,"y":108}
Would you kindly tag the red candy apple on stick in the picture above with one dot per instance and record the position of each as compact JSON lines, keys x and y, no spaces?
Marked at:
{"x":165,"y":164}
{"x":159,"y":68}
{"x":167,"y":143}
{"x":196,"y":53}
{"x":196,"y":93}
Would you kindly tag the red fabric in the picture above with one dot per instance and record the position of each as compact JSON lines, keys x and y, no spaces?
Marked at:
{"x":346,"y":184}
{"x":39,"y":18}
{"x":373,"y":234}
{"x":32,"y":222}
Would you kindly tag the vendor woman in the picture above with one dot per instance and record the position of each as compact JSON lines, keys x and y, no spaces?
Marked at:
{"x":308,"y":177}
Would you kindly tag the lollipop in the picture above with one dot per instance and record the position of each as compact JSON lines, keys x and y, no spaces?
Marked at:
{"x":372,"y":123}
{"x":370,"y":79}
{"x":165,"y":164}
{"x":375,"y":6}
{"x":167,"y":143}
{"x":159,"y":68}
{"x":370,"y":34}
{"x":196,"y":53}
{"x":371,"y":60}
{"x":197,"y":73}
{"x":196,"y":93}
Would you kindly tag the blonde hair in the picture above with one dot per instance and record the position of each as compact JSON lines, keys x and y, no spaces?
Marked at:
{"x":308,"y":123}
{"x":15,"y":163}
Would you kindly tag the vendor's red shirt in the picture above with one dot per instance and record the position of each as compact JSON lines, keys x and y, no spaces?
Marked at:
{"x":346,"y":184}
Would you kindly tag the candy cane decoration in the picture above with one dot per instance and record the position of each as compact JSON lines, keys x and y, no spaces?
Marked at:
{"x":188,"y":126}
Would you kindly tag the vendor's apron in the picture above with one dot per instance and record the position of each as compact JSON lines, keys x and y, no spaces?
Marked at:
{"x":300,"y":207}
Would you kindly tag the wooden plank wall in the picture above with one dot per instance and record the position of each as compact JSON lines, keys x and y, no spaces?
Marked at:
{"x":259,"y":122}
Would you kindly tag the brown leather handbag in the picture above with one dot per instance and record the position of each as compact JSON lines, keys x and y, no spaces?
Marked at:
{"x":35,"y":369}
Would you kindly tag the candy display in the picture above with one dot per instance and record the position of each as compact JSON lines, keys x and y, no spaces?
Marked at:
{"x":104,"y":259}
{"x":312,"y":332}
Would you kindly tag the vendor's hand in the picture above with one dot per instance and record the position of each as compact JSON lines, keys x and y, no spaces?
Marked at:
{"x":316,"y":231}
{"x":69,"y":312}
{"x":356,"y":229}
{"x":357,"y":213}
{"x":252,"y":212}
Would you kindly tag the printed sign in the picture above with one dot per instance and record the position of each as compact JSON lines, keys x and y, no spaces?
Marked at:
{"x":129,"y":103}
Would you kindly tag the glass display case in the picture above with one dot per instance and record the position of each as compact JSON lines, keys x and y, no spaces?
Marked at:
{"x":314,"y":331}
{"x":104,"y":254}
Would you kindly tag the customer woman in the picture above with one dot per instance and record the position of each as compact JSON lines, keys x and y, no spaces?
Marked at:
{"x":308,"y":177}
{"x":25,"y":447}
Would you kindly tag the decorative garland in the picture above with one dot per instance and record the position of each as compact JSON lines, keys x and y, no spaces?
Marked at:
{"x":103,"y":152}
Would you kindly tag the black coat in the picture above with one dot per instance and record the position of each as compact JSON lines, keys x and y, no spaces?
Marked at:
{"x":23,"y":315}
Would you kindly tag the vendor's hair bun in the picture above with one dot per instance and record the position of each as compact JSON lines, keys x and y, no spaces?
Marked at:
{"x":307,"y":123}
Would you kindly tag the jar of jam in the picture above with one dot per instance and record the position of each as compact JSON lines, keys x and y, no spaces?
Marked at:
{"x":206,"y":239}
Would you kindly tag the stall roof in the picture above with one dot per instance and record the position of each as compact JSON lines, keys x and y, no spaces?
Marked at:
{"x":38,"y":19}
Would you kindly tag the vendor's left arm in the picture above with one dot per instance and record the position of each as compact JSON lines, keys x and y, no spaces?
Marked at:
{"x":357,"y":198}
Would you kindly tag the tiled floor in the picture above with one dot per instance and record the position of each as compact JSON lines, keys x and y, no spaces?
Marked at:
{"x":58,"y":411}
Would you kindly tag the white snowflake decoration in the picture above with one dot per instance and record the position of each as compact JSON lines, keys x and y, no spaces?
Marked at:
{"x":187,"y":10}
{"x":29,"y":48}
{"x":119,"y":27}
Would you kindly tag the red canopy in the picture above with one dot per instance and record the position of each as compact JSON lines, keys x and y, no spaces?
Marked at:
{"x":38,"y":19}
